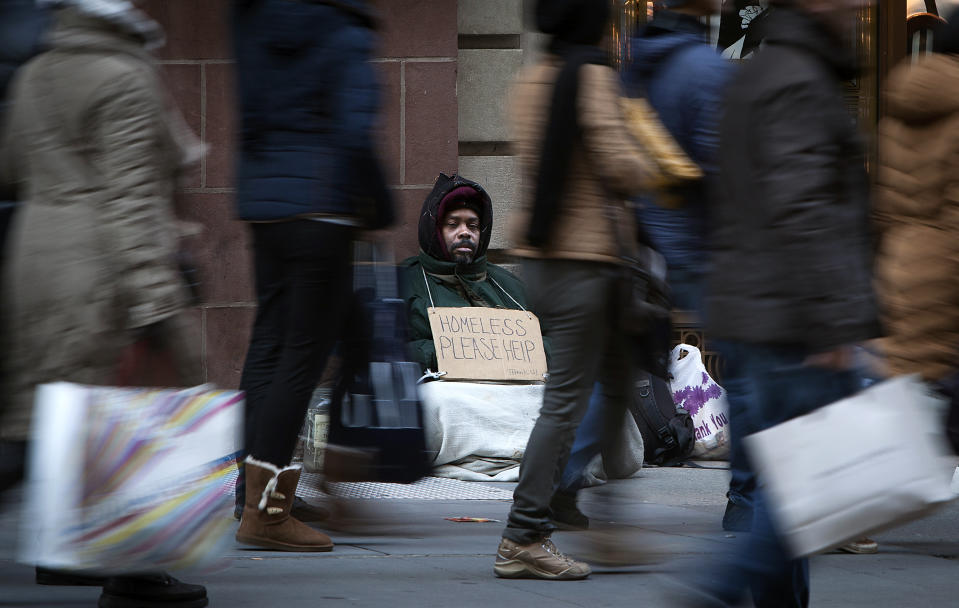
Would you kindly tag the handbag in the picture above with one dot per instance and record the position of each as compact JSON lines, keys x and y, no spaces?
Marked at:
{"x":857,"y":466}
{"x":675,"y":168}
{"x":127,"y":480}
{"x":376,"y":419}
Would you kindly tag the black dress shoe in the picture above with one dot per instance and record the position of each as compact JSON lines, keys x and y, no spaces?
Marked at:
{"x":70,"y":578}
{"x":737,"y":518}
{"x":564,"y":513}
{"x":158,"y":590}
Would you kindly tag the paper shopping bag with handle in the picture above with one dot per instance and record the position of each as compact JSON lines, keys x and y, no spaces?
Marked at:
{"x":854,"y":467}
{"x":131,"y":479}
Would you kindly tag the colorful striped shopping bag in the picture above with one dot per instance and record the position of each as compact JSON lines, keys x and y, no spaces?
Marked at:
{"x":131,"y":479}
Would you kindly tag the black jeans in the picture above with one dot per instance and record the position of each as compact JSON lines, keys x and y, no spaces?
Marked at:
{"x":577,"y":303}
{"x":303,"y":287}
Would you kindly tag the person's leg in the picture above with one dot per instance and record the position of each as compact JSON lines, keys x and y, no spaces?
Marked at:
{"x":587,"y":444}
{"x":316,"y":261}
{"x":314,"y":257}
{"x":266,"y":339}
{"x":742,"y":482}
{"x":13,"y":458}
{"x":571,"y":299}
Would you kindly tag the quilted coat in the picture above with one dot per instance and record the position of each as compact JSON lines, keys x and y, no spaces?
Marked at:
{"x":93,"y":152}
{"x":918,"y":216}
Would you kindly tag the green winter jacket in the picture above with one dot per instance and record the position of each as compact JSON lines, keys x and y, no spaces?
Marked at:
{"x":476,"y":284}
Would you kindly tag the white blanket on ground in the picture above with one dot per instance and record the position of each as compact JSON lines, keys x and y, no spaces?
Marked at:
{"x":478,"y":432}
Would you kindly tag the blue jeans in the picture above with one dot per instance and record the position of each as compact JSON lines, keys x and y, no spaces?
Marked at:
{"x":588,"y":443}
{"x":739,"y":393}
{"x":777,"y":388}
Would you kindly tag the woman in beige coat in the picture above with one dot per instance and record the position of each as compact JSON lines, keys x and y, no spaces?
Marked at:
{"x":578,"y":164}
{"x":93,"y":152}
{"x":918,"y":217}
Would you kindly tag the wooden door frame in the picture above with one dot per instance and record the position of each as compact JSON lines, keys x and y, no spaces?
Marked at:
{"x":892,"y":40}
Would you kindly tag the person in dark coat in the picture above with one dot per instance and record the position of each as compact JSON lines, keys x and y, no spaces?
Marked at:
{"x":790,"y":288}
{"x":307,"y":178}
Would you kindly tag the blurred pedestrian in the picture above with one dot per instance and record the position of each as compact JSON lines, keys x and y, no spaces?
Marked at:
{"x":683,"y":77}
{"x":791,"y":287}
{"x":22,"y":27}
{"x":578,"y":163}
{"x":94,"y":151}
{"x":918,"y":219}
{"x":22,"y":24}
{"x":307,"y":179}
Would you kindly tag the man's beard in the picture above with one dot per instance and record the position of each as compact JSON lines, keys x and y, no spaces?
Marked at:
{"x":461,"y":257}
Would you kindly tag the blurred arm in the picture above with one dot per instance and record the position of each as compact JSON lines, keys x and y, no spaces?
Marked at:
{"x":134,"y":205}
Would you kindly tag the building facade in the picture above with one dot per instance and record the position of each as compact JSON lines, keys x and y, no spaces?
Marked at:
{"x":445,"y":67}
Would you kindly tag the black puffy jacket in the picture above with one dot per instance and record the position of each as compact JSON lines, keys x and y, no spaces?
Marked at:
{"x":791,"y":247}
{"x":308,"y":106}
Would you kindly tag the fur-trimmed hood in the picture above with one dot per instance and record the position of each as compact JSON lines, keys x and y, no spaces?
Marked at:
{"x":122,"y":14}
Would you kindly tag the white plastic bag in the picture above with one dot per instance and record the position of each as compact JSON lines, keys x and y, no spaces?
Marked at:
{"x":854,"y":467}
{"x":695,"y":391}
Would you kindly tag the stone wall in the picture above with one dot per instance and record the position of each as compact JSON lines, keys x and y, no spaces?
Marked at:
{"x":418,"y":66}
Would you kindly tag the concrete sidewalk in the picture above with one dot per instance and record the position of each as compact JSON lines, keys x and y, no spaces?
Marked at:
{"x":402,"y":553}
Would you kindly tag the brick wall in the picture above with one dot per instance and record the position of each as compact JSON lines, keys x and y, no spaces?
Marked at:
{"x":417,"y":62}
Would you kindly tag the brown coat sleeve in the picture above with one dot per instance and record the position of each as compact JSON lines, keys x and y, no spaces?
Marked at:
{"x":613,"y":152}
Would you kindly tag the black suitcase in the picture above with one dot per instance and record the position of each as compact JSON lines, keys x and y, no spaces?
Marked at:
{"x":668,"y":431}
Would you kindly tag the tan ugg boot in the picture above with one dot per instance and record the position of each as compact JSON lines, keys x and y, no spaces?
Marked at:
{"x":266,"y":520}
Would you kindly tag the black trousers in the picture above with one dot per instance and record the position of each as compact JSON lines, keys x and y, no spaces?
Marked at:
{"x":303,"y":287}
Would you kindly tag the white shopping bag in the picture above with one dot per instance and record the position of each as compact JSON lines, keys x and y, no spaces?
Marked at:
{"x":696,"y":392}
{"x":130,"y":480}
{"x":856,"y":466}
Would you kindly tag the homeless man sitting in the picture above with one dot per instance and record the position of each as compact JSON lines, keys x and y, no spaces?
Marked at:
{"x":479,"y":430}
{"x":451,"y":270}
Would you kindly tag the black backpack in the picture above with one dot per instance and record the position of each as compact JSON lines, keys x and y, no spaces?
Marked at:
{"x":668,"y":431}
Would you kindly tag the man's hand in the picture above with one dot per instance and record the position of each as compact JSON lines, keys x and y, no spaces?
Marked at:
{"x":839,"y":359}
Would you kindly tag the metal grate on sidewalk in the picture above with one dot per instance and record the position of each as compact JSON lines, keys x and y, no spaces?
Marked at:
{"x":428,"y":488}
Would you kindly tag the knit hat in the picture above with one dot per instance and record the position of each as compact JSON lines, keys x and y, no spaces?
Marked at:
{"x":573,"y":21}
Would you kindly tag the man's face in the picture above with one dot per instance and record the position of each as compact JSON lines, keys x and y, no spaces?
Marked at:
{"x":461,"y":231}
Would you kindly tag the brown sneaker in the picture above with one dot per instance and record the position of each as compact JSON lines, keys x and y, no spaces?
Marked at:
{"x":537,"y":560}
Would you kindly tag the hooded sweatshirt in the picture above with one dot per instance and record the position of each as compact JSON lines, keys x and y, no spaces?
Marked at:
{"x":431,"y":279}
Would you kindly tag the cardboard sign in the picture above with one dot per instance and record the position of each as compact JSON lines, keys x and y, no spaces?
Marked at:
{"x":477,"y":343}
